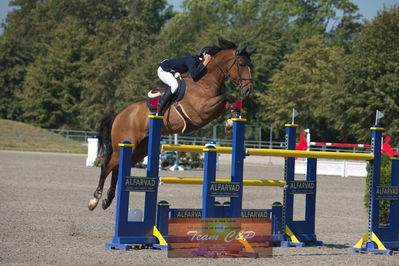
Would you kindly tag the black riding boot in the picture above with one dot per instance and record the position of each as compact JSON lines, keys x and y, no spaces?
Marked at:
{"x":164,"y":101}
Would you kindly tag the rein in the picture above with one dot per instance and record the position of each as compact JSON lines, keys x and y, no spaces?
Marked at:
{"x":226,"y":73}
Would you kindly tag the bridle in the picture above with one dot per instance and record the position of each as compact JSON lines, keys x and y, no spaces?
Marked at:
{"x":227,"y":75}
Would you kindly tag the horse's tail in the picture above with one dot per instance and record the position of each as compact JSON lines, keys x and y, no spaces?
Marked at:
{"x":104,"y":138}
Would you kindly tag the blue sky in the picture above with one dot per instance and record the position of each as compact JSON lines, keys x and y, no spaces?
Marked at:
{"x":368,"y":8}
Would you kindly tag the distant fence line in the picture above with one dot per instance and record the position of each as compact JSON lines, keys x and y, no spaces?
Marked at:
{"x":79,"y":137}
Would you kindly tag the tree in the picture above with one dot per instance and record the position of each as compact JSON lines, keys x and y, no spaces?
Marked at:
{"x":28,"y":31}
{"x":345,"y":32}
{"x":371,"y":80}
{"x":37,"y":37}
{"x":118,"y":49}
{"x":310,"y":17}
{"x":14,"y":57}
{"x":16,"y":53}
{"x":53,"y":86}
{"x":122,"y":72}
{"x":308,"y":78}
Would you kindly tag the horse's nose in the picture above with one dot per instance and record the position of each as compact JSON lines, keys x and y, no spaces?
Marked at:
{"x":247,"y":89}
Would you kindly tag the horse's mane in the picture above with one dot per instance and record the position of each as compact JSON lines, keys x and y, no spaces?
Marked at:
{"x":227,"y":45}
{"x":223,"y":45}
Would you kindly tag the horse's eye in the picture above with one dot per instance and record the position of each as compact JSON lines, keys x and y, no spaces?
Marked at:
{"x":242,"y":65}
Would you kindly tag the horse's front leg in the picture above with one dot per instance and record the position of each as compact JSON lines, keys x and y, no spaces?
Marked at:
{"x":228,"y":125}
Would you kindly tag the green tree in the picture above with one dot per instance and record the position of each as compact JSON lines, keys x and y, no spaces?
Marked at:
{"x":310,"y":17}
{"x":27,"y":30}
{"x":118,"y":50}
{"x":115,"y":33}
{"x":308,"y":78}
{"x":53,"y":86}
{"x":344,"y":34}
{"x":371,"y":81}
{"x":121,"y":71}
{"x":14,"y":57}
{"x":16,"y":53}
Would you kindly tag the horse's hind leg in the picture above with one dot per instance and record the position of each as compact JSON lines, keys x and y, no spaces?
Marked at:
{"x":99,"y":191}
{"x":111,"y":191}
{"x":138,"y":154}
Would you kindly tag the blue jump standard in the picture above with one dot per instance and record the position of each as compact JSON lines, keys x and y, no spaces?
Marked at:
{"x":379,"y":238}
{"x":298,"y":233}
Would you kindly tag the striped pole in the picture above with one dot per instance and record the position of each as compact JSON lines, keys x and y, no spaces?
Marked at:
{"x":340,"y":144}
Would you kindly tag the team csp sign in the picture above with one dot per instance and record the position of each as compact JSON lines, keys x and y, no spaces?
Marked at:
{"x":219,"y":238}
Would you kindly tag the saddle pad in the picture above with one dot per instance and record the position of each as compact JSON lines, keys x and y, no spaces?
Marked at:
{"x":158,"y":91}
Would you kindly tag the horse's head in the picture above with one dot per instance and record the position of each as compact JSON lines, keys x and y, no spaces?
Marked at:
{"x":236,"y":65}
{"x":243,"y":70}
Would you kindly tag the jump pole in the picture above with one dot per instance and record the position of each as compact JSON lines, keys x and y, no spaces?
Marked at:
{"x":200,"y":181}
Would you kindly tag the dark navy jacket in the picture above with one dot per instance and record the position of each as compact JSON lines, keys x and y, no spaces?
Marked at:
{"x":190,"y":64}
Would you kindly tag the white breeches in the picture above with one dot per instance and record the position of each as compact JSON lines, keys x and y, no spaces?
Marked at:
{"x":168,"y":78}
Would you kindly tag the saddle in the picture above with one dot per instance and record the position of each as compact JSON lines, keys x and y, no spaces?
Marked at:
{"x":157,"y":91}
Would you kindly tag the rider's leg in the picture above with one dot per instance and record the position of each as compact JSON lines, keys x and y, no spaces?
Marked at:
{"x":170,"y":80}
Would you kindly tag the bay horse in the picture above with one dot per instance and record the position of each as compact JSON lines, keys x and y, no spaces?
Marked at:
{"x":204,"y":101}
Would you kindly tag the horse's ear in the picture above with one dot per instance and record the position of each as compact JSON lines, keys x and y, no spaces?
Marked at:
{"x":242,"y":50}
{"x":221,"y":41}
{"x":250,"y":52}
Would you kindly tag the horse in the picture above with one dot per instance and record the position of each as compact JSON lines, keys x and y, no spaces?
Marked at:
{"x":204,"y":101}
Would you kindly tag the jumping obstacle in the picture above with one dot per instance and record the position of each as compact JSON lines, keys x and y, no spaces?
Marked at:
{"x":148,"y":233}
{"x":286,"y":231}
{"x":232,"y":188}
{"x":289,"y":232}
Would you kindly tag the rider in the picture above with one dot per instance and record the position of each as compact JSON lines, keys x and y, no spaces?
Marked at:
{"x":195,"y":65}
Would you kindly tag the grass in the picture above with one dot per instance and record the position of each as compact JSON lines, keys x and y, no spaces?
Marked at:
{"x":23,"y":137}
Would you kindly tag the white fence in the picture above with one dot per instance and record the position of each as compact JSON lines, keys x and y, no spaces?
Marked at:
{"x":334,"y":168}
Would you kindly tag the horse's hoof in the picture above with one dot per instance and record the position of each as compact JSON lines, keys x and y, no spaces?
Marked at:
{"x":228,"y":127}
{"x":106,"y":203}
{"x":92,"y":204}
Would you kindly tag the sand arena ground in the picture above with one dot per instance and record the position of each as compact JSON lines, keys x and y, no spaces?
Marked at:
{"x":44,"y":218}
